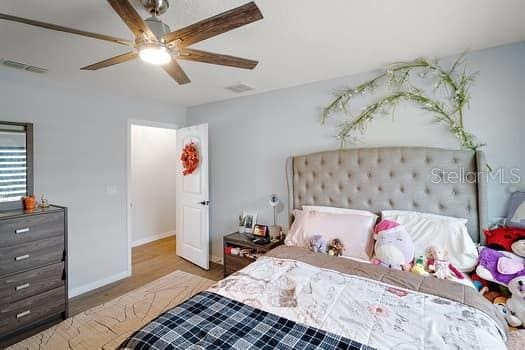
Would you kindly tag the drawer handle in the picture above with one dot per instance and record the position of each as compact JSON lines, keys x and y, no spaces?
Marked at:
{"x":22,"y":230}
{"x":22,"y":286}
{"x":22,"y":314}
{"x":22,"y":257}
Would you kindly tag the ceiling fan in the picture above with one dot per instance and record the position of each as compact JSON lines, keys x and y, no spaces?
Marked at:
{"x":156,"y":44}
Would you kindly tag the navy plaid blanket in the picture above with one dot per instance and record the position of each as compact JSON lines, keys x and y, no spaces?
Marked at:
{"x":211,"y":321}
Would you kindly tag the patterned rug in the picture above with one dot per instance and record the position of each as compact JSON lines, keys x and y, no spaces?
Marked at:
{"x":107,"y":325}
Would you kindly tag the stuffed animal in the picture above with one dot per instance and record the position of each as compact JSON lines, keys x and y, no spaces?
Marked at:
{"x":441,"y":267}
{"x":335,"y":247}
{"x":478,"y":282}
{"x":498,"y":266}
{"x":419,"y":267}
{"x":318,"y":244}
{"x":510,"y":317}
{"x":516,"y":303}
{"x":501,"y":238}
{"x":490,"y":295}
{"x":394,"y":247}
{"x":518,"y":248}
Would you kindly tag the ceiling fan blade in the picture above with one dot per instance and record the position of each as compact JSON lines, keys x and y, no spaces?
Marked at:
{"x":215,"y":58}
{"x":130,"y":16}
{"x":216,"y":25}
{"x":58,"y":28}
{"x":176,"y":72}
{"x":112,"y":61}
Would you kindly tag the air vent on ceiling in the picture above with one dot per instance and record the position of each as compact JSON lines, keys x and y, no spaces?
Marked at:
{"x":240,"y":88}
{"x":36,"y":69}
{"x":23,"y":66}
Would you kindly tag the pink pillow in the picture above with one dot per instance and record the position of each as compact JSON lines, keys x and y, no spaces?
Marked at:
{"x":295,"y":236}
{"x":354,"y":231}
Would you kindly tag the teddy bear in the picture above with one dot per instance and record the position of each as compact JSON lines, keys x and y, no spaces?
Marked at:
{"x":499,"y":266}
{"x":335,"y":247}
{"x":510,"y":317}
{"x":394,"y":247}
{"x":441,"y":267}
{"x":516,"y":303}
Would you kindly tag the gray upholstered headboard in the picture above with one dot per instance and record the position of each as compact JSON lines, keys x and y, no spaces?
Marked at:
{"x":402,"y":178}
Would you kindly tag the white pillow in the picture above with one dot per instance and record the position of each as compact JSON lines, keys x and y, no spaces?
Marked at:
{"x":442,"y":231}
{"x":335,"y":210}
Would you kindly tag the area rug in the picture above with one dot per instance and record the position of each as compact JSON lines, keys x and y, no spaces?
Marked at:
{"x":107,"y":325}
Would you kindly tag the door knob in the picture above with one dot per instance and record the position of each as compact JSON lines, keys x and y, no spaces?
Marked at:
{"x":204,"y":203}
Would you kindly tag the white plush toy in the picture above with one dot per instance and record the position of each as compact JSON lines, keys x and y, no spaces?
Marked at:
{"x":501,"y":304}
{"x":394,"y":248}
{"x":516,"y":303}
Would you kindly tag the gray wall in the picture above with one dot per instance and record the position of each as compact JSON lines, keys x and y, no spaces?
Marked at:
{"x":80,"y":162}
{"x":250,"y":137}
{"x":153,"y":166}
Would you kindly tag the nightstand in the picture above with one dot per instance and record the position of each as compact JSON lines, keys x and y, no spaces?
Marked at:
{"x":243,"y":241}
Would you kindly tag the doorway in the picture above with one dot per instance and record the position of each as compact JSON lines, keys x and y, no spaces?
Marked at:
{"x":152,"y":161}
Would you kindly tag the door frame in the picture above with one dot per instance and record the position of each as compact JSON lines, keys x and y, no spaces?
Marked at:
{"x":138,"y":122}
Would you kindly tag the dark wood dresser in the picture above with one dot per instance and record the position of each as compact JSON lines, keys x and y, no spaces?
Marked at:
{"x":33,"y":271}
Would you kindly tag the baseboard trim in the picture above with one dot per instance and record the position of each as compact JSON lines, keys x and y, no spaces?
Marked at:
{"x":152,"y":238}
{"x":97,"y":284}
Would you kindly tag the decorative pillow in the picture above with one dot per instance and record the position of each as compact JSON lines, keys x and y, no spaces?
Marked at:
{"x":335,"y":210}
{"x":295,"y":236}
{"x":353,"y":230}
{"x":516,"y":213}
{"x":446,"y":232}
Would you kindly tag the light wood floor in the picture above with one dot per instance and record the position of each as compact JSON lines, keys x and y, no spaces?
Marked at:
{"x":150,"y":262}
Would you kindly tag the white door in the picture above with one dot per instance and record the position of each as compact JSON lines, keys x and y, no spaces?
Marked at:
{"x":193,"y":213}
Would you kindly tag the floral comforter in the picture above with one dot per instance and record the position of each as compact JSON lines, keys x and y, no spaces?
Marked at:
{"x":381,"y":315}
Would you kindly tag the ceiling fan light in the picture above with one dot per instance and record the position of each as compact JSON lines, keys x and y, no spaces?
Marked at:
{"x":155,"y":54}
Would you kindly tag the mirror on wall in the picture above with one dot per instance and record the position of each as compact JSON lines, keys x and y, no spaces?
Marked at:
{"x":16,"y":163}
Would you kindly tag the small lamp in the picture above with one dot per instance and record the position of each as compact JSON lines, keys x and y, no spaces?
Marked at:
{"x":275,"y":230}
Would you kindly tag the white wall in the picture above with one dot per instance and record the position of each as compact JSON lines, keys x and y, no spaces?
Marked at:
{"x":250,"y":137}
{"x":80,"y":162}
{"x":153,"y":163}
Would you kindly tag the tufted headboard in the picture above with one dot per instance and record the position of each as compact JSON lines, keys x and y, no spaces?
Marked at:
{"x":422,"y":179}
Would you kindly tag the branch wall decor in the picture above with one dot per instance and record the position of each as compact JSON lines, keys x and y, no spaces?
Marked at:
{"x":446,"y":101}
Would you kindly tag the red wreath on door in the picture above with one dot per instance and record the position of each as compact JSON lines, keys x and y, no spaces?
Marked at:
{"x":189,"y":158}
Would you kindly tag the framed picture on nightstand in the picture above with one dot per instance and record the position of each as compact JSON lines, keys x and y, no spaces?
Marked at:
{"x":250,"y":219}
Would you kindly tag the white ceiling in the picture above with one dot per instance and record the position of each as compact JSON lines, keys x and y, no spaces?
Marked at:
{"x":298,"y":41}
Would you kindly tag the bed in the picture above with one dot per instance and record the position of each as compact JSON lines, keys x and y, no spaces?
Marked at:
{"x":294,"y":298}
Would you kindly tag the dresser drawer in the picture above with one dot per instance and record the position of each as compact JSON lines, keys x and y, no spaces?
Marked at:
{"x":27,"y":310}
{"x":31,"y":228}
{"x":30,"y":255}
{"x":26,"y":284}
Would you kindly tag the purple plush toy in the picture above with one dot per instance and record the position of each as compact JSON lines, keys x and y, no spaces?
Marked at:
{"x":499,"y":266}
